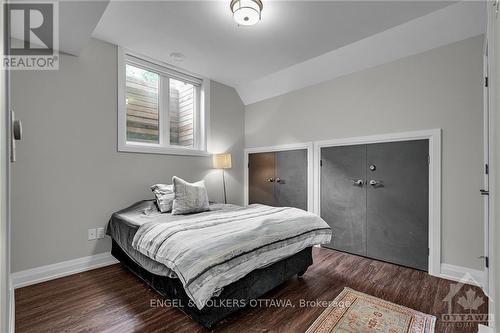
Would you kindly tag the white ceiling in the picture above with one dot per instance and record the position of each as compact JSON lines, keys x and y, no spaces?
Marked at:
{"x":77,"y":20}
{"x":290,"y":32}
{"x":450,"y":24}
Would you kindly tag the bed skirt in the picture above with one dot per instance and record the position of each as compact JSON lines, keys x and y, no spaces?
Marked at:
{"x":233,"y":297}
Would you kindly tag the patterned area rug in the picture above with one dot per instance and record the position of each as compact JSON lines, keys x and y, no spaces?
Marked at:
{"x":352,"y":311}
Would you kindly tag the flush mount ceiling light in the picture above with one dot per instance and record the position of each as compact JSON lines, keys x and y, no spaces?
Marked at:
{"x":246,"y":12}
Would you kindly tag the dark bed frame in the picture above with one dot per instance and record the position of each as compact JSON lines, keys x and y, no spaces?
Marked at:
{"x":239,"y":293}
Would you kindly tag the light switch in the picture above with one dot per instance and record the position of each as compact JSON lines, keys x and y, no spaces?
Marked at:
{"x":91,"y":234}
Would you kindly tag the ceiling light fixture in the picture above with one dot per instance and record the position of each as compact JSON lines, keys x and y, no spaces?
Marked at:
{"x":246,"y":12}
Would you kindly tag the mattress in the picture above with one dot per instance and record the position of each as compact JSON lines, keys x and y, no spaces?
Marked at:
{"x":123,"y":226}
{"x":210,"y":250}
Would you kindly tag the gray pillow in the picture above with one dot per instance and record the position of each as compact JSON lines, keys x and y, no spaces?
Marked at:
{"x":189,"y":197}
{"x":164,"y":196}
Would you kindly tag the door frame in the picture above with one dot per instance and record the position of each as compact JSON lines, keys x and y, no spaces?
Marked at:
{"x":486,"y":161}
{"x":434,"y":137}
{"x":295,"y":146}
{"x":7,"y":305}
{"x":491,"y":111}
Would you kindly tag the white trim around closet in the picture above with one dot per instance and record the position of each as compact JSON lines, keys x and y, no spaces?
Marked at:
{"x":434,"y":137}
{"x":310,"y":158}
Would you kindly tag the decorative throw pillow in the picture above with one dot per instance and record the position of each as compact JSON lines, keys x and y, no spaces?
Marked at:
{"x":164,"y":196}
{"x":189,"y":197}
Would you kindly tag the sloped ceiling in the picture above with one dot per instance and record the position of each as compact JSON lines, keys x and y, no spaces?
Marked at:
{"x":76,"y":22}
{"x":263,"y":60}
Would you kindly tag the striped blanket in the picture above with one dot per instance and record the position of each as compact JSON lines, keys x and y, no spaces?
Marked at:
{"x":211,"y":250}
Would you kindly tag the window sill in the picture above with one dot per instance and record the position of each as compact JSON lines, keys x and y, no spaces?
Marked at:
{"x":147,"y":149}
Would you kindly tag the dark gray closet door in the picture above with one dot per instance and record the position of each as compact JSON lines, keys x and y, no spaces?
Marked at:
{"x":398,"y":206}
{"x":291,"y":179}
{"x":261,"y":177}
{"x":343,"y":202}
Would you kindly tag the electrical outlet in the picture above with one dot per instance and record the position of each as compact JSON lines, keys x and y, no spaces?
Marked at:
{"x":100,"y":233}
{"x":91,"y":234}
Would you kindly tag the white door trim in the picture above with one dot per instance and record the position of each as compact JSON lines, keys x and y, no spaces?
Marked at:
{"x":295,"y":146}
{"x":493,"y":114}
{"x":486,"y":157}
{"x":434,"y":137}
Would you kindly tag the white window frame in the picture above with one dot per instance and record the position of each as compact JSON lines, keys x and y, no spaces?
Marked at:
{"x":201,"y":118}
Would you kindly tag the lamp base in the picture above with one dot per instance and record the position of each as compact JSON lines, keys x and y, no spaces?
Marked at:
{"x":224,"y":185}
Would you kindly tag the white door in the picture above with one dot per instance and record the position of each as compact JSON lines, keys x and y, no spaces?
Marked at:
{"x":5,"y":292}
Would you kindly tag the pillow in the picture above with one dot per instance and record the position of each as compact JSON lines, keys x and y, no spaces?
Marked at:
{"x":164,"y":196}
{"x":189,"y":197}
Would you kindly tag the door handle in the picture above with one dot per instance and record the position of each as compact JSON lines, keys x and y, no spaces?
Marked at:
{"x":358,"y":182}
{"x":270,"y":180}
{"x":374,"y":182}
{"x":16,"y":134}
{"x":278,"y":180}
{"x":17,"y":130}
{"x":484,"y":192}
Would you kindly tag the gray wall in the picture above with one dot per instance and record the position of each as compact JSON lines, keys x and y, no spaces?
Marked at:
{"x":69,"y":176}
{"x":227,"y":135}
{"x":441,"y":88}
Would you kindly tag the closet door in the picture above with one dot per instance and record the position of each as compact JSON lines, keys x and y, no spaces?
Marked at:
{"x":343,"y":196}
{"x":261,"y":178}
{"x":397,"y":202}
{"x":291,"y":179}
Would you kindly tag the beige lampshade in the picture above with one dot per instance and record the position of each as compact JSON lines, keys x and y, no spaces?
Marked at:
{"x":222,"y":161}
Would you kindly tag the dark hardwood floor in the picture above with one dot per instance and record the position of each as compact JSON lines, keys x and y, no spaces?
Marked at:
{"x":111,"y":299}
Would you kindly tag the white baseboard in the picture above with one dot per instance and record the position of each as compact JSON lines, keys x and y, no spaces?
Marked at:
{"x":462,"y":274}
{"x":65,"y":268}
{"x":54,"y":271}
{"x":12,"y":309}
{"x":485,"y":329}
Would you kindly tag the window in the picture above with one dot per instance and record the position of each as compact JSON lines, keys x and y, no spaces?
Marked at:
{"x":182,"y":104}
{"x":161,"y":110}
{"x":143,"y":105}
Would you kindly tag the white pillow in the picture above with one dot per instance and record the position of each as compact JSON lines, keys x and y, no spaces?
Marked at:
{"x":189,"y":197}
{"x":164,"y":196}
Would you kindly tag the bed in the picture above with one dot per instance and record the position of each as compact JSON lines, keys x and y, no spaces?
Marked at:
{"x":214,"y":263}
